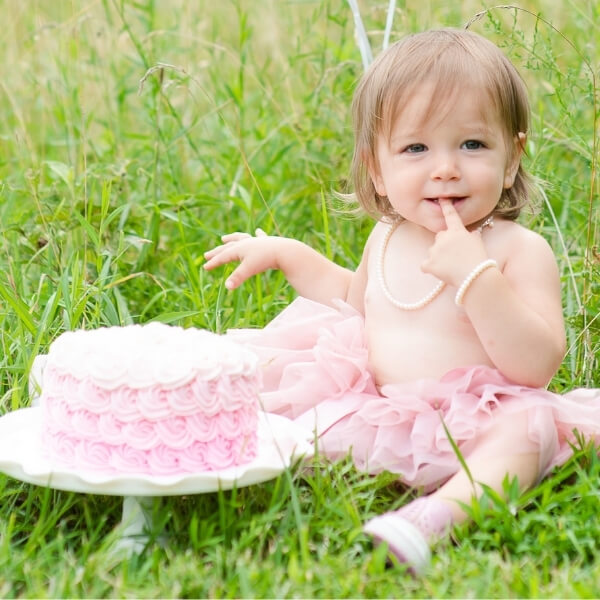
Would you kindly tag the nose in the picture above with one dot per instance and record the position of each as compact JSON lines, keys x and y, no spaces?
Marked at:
{"x":445,"y":167}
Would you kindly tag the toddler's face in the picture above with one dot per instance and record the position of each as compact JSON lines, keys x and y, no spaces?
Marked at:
{"x":457,"y":152}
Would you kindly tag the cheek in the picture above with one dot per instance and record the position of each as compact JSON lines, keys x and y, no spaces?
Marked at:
{"x":491,"y":176}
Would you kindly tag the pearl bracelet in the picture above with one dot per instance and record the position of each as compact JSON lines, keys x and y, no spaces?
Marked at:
{"x":471,"y":277}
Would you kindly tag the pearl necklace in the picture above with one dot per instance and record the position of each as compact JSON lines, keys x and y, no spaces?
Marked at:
{"x":434,"y":293}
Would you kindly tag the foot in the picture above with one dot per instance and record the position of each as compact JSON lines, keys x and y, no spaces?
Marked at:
{"x":409,"y":531}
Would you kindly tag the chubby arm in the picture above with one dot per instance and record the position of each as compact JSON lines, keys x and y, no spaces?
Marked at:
{"x":516,"y":311}
{"x":308,"y":272}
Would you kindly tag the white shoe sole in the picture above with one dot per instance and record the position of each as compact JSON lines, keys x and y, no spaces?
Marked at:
{"x":404,"y":540}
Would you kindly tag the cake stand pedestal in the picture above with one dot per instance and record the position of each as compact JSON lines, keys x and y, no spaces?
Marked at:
{"x":136,"y":522}
{"x":22,"y":456}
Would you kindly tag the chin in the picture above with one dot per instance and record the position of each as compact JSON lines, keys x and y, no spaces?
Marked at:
{"x":434,"y":228}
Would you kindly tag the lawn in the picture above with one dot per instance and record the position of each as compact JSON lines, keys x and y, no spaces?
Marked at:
{"x":132,"y":135}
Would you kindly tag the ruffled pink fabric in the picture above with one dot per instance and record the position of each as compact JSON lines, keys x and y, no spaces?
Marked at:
{"x":315,"y":371}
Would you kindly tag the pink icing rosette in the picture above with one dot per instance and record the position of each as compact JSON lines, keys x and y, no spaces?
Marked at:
{"x":153,"y":403}
{"x":60,"y":446}
{"x":94,"y":398}
{"x":57,"y":415}
{"x":70,"y":392}
{"x":123,"y":403}
{"x":207,"y":396}
{"x":244,"y":449}
{"x":182,"y":401}
{"x":227,"y":389}
{"x":85,"y":424}
{"x":129,"y":460}
{"x":245,"y":392}
{"x":142,"y":435}
{"x":250,"y":418}
{"x":110,"y":429}
{"x":203,"y":428}
{"x":174,"y":432}
{"x":239,"y":422}
{"x":230,"y":425}
{"x":193,"y":458}
{"x":93,"y":455}
{"x":219,"y":453}
{"x":163,"y":460}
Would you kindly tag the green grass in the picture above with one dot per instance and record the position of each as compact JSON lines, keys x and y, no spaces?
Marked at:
{"x":116,"y":173}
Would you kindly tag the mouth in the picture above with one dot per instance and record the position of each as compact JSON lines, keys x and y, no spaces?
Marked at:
{"x":454,"y":199}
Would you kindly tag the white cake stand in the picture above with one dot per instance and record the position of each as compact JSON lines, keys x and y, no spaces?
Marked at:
{"x":280,"y":443}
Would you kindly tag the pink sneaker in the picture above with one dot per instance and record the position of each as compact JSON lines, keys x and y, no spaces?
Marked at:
{"x":409,"y":531}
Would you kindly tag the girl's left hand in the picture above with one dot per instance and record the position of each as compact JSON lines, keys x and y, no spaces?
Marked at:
{"x":456,"y":251}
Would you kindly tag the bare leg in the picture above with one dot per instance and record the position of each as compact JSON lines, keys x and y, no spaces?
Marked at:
{"x":504,"y":449}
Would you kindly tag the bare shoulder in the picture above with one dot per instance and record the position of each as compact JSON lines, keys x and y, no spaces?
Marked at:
{"x":358,"y":283}
{"x":378,"y":230}
{"x":528,"y":263}
{"x":516,"y":244}
{"x":374,"y":238}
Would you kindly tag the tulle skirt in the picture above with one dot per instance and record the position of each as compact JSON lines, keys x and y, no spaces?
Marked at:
{"x":315,"y":371}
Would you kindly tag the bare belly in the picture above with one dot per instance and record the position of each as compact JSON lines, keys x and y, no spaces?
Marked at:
{"x":427,"y":353}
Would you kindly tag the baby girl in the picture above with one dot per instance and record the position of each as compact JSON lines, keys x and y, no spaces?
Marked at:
{"x":452,"y":322}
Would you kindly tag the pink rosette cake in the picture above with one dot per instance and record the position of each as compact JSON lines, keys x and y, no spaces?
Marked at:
{"x":150,"y":399}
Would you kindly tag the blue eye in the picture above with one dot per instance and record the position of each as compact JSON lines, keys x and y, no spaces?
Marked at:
{"x":415,"y":148}
{"x":472,"y":145}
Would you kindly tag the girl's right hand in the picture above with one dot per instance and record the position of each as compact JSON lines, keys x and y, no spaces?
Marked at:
{"x":255,"y":255}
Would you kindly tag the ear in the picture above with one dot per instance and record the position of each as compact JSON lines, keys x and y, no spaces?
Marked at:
{"x":377,"y":179}
{"x":513,"y":166}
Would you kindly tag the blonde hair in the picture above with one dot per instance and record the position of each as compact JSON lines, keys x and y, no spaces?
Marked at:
{"x":450,"y":59}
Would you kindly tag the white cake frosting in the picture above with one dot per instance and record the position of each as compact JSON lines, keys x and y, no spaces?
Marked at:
{"x":145,"y":355}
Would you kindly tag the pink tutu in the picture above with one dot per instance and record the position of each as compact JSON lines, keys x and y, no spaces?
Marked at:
{"x":315,"y":371}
